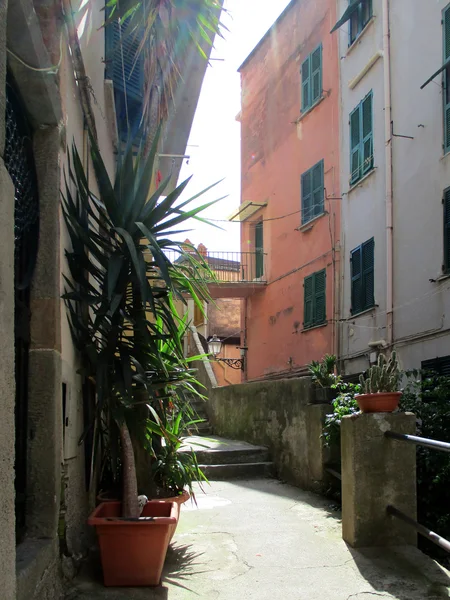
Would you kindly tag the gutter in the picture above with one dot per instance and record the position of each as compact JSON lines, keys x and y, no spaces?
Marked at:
{"x":389,"y":176}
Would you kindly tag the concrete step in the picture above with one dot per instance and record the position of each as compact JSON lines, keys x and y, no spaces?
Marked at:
{"x":228,"y":456}
{"x":252,"y":470}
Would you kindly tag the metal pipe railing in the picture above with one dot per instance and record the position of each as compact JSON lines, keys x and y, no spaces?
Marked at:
{"x":424,"y":531}
{"x":419,"y":441}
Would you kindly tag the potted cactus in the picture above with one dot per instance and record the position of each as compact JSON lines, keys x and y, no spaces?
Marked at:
{"x":380,"y":386}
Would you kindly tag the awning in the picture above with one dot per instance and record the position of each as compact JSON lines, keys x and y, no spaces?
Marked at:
{"x":246,"y":210}
{"x":444,"y":66}
{"x":351,"y":8}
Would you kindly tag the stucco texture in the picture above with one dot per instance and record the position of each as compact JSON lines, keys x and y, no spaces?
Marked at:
{"x":276,"y":414}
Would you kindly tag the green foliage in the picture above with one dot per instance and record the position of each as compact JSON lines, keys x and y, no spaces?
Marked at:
{"x":344,"y":404}
{"x":385,"y":376}
{"x":427,"y":396}
{"x":173,"y":470}
{"x":323,"y":372}
{"x":120,"y":293}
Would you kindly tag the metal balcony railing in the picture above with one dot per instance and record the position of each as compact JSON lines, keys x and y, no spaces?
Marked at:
{"x":232,"y":267}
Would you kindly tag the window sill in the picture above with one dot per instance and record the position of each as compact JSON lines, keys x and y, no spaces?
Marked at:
{"x":310,"y":109}
{"x":359,"y":36}
{"x":310,"y":224}
{"x":362,"y":180}
{"x":366,"y":311}
{"x":306,"y":329}
{"x":443,"y":277}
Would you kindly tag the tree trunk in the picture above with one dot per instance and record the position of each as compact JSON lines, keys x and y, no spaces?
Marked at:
{"x":130,"y":505}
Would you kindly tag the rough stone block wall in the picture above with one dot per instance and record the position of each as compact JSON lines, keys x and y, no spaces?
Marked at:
{"x":276,"y":414}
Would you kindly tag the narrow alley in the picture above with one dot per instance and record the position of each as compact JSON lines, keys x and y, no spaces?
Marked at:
{"x":261,"y":539}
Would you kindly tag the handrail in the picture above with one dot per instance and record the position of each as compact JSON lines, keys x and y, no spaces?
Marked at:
{"x":419,"y":441}
{"x":430,"y":535}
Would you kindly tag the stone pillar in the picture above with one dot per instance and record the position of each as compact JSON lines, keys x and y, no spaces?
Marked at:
{"x":376,"y":472}
{"x":316,"y":452}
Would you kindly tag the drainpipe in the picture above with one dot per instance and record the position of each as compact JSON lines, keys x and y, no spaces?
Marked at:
{"x":389,"y":191}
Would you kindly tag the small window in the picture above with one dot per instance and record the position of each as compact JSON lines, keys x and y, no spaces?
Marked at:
{"x":446,"y":203}
{"x":438,"y":366}
{"x":361,"y":139}
{"x":312,"y":193}
{"x":362,"y":274}
{"x":312,"y":79}
{"x":359,"y":19}
{"x":314,"y":299}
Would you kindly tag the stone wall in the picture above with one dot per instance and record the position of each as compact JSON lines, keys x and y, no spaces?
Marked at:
{"x":279,"y":415}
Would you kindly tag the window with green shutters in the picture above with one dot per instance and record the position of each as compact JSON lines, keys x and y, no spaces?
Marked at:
{"x":362,"y":276}
{"x":361,"y":139}
{"x":446,"y":77}
{"x":314,"y":299}
{"x":446,"y":203}
{"x":312,"y":193}
{"x":359,"y":18}
{"x":312,"y":79}
{"x":125,"y":67}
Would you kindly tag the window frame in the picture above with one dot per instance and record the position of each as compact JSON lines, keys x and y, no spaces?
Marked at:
{"x":316,"y":319}
{"x":360,"y":21}
{"x":364,"y":273}
{"x":446,"y":231}
{"x":308,"y":82}
{"x":446,"y":78}
{"x":365,"y":165}
{"x":311,"y":207}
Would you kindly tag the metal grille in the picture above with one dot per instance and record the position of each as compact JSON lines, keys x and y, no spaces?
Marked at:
{"x":20,"y":165}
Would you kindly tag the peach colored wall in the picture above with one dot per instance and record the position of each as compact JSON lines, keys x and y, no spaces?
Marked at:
{"x":226,"y":375}
{"x":275,"y":152}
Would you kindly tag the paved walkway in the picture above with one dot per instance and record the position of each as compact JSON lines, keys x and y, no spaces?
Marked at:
{"x":263,"y":540}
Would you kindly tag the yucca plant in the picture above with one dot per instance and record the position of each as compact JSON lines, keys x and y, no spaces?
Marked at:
{"x":119,"y":294}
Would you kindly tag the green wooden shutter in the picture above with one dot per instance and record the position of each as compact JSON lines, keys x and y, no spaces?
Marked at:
{"x":259,"y":249}
{"x":367,"y":133}
{"x":319,"y":297}
{"x":368,"y":274}
{"x":356,"y":276}
{"x":308,"y":291}
{"x":317,"y":189}
{"x":307,"y":208}
{"x":316,"y":74}
{"x":124,"y":64}
{"x":355,"y":145}
{"x":446,"y":201}
{"x":446,"y":79}
{"x":306,"y":83}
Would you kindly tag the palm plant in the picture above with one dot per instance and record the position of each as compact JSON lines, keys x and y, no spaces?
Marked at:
{"x":119,"y":296}
{"x":166,"y":29}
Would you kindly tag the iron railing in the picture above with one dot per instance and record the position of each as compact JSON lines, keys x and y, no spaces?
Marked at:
{"x":391,"y":510}
{"x":231,"y":267}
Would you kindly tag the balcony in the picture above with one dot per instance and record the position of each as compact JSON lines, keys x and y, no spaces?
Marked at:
{"x":236,"y":274}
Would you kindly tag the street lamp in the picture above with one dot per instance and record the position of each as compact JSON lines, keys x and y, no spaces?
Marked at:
{"x":215,"y":347}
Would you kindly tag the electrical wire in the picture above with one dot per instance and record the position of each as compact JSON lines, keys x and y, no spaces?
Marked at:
{"x":51,"y":70}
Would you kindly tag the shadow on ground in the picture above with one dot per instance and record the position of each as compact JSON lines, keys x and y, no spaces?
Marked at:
{"x":181,"y":564}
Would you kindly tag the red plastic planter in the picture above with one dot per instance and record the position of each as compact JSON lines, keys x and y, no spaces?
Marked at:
{"x":133,"y":552}
{"x":380,"y":402}
{"x":179,"y":500}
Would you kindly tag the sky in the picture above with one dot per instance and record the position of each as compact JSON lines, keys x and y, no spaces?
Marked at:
{"x":214,"y":142}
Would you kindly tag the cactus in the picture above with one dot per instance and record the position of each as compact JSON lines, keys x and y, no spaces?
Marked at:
{"x":382,"y":377}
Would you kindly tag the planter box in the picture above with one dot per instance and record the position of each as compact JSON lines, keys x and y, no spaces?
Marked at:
{"x":133,"y":552}
{"x":179,"y":500}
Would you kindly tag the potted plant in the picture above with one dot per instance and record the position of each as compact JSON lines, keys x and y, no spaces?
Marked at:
{"x":380,"y":386}
{"x":121,"y":283}
{"x":324,"y":378}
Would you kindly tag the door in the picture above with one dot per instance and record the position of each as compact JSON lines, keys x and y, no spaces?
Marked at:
{"x":259,"y":250}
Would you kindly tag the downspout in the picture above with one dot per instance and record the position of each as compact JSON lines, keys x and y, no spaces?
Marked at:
{"x":389,"y":186}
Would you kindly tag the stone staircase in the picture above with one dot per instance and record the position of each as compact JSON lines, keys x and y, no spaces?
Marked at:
{"x":222,"y":459}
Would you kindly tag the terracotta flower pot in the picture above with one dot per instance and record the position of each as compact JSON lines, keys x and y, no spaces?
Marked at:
{"x":133,"y":552}
{"x":380,"y":402}
{"x":179,"y":500}
{"x":106,"y":497}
